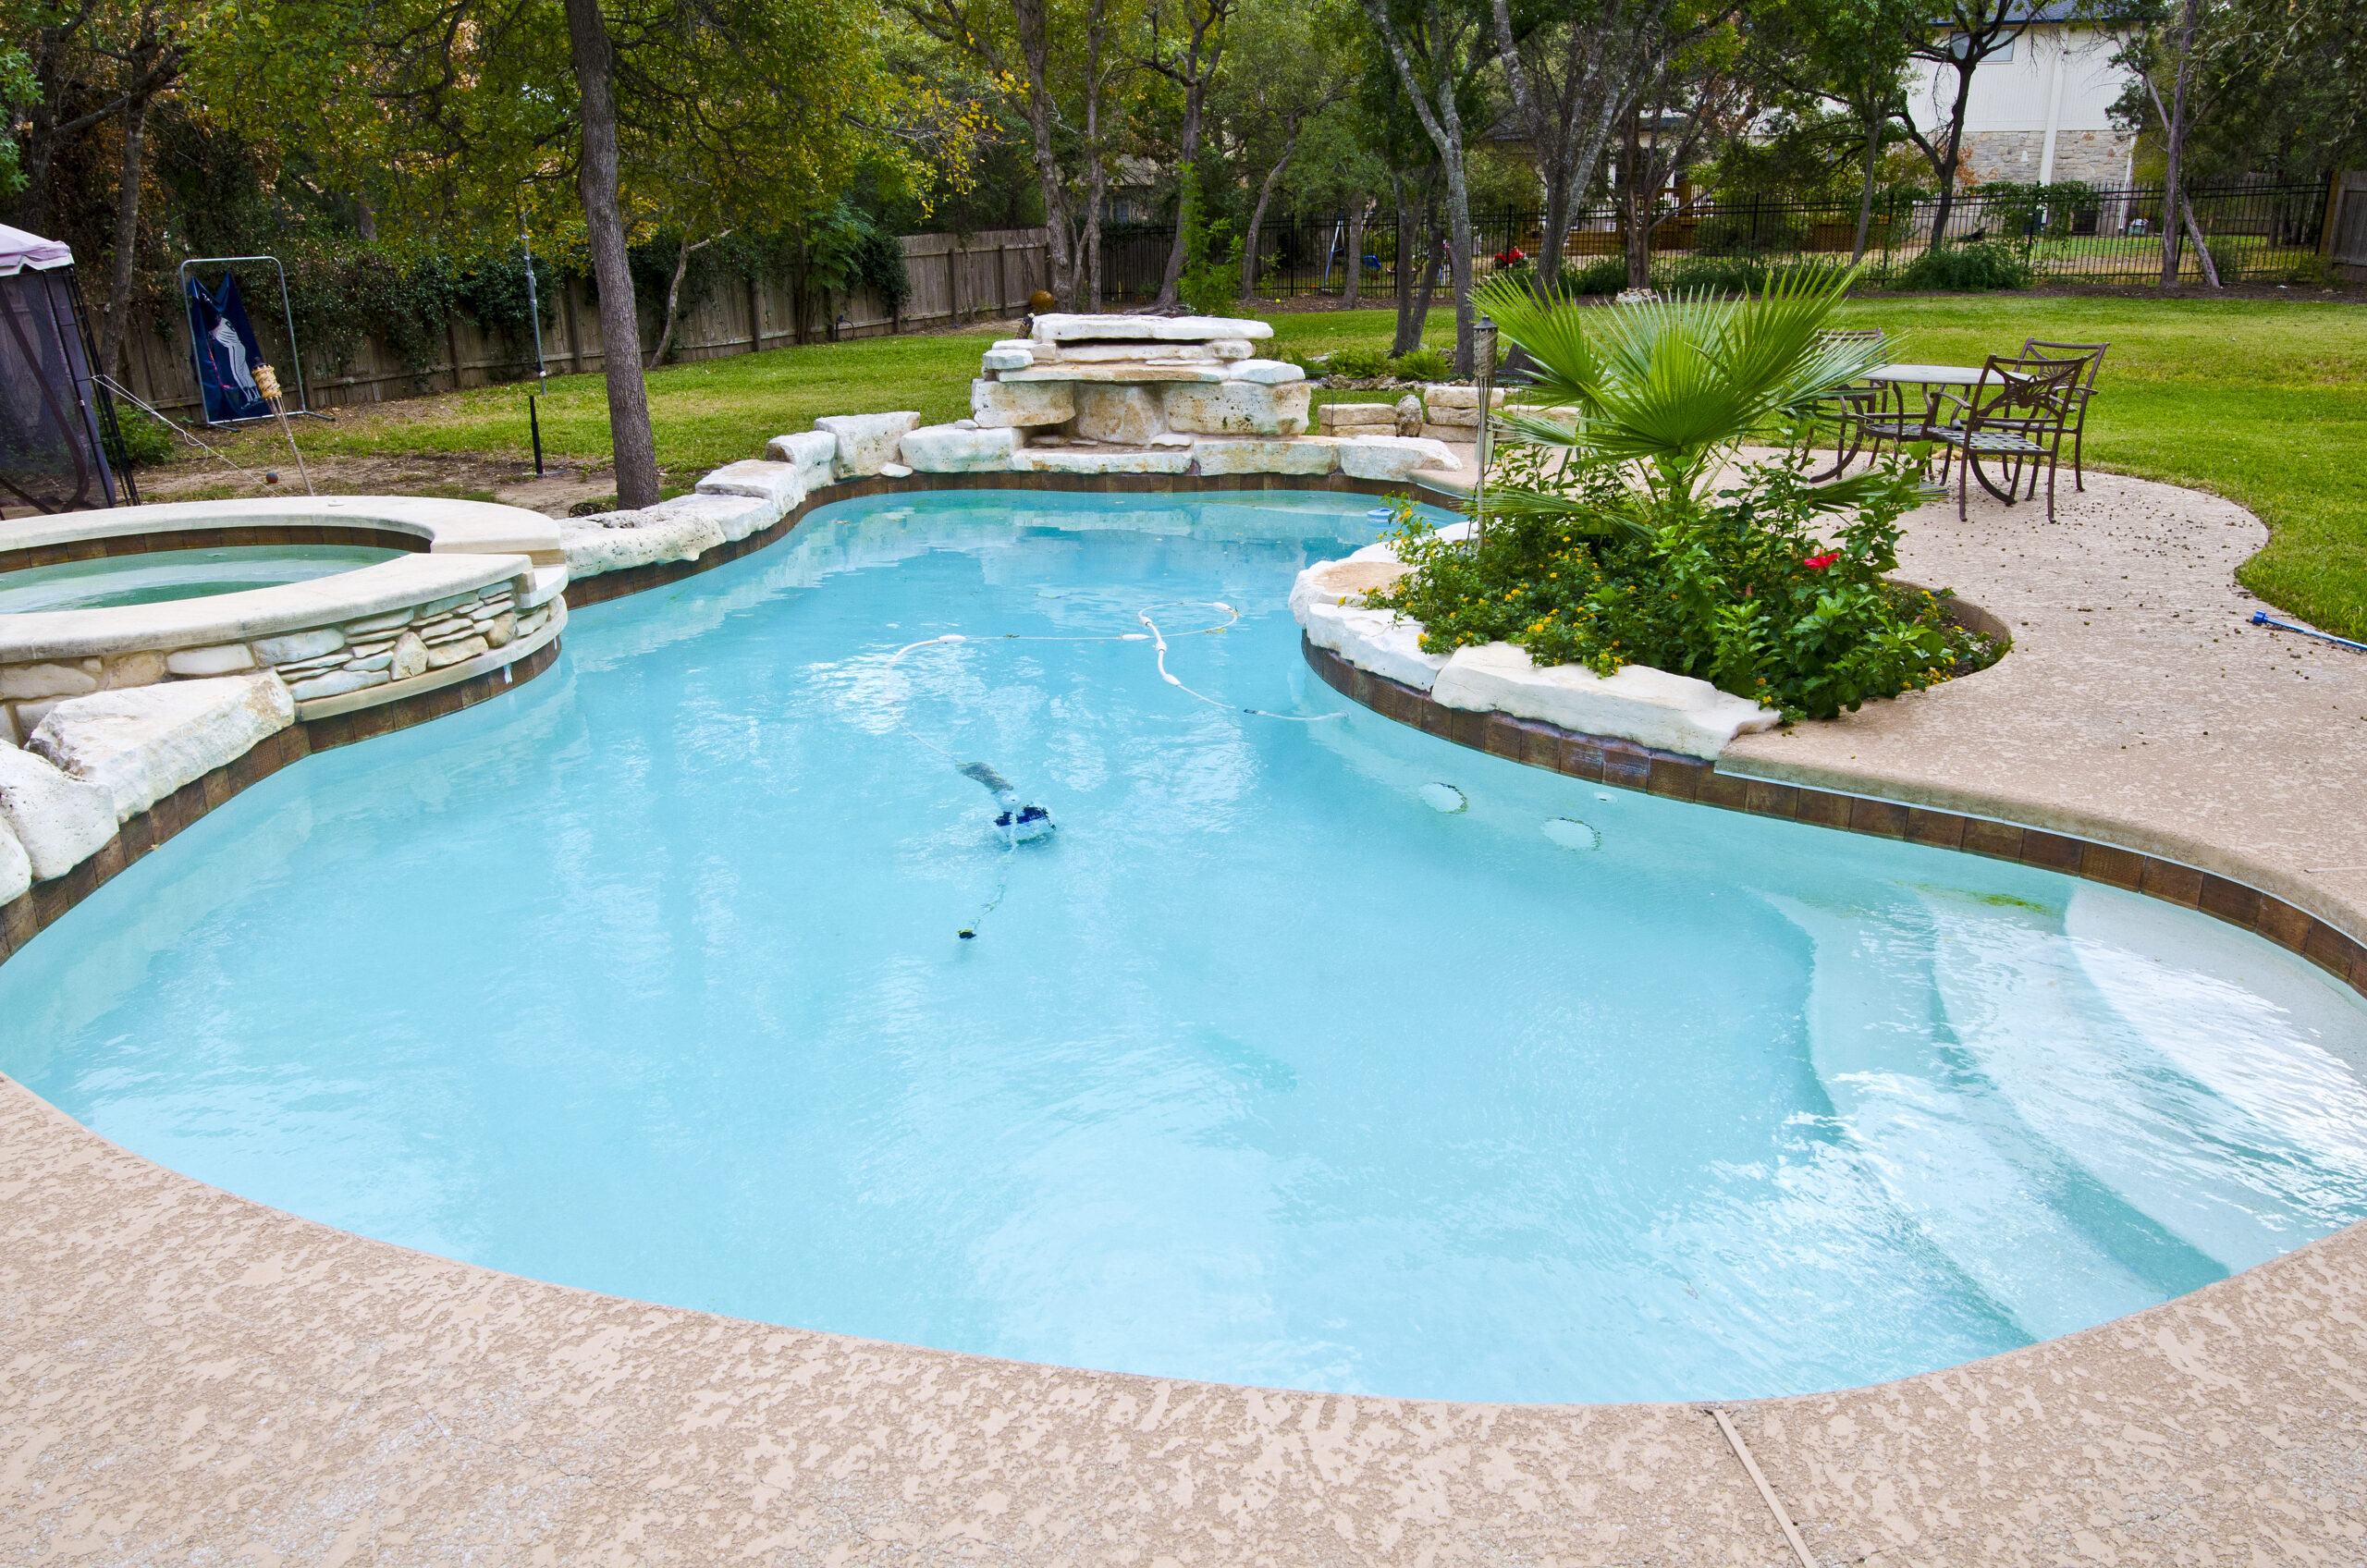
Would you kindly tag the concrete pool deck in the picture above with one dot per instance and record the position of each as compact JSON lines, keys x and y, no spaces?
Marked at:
{"x":189,"y":1377}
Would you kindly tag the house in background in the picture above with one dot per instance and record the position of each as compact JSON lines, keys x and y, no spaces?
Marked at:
{"x":2041,"y":110}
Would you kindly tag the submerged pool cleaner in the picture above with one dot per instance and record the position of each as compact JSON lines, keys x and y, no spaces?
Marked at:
{"x":1018,"y":822}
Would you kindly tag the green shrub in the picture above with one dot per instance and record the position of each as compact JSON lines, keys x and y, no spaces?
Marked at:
{"x":1971,"y":264}
{"x":1361,"y":364}
{"x":1740,"y":590}
{"x":140,"y":441}
{"x":1719,"y":275}
{"x":1422,"y":364}
{"x":1606,"y":275}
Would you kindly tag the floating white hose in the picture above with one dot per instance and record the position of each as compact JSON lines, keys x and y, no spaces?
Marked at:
{"x":1017,"y":819}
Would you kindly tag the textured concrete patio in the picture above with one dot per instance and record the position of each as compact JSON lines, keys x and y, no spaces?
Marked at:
{"x":186,"y":1376}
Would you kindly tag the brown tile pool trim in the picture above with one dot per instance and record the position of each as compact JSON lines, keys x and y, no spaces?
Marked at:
{"x":206,"y":539}
{"x":22,"y":918}
{"x":1626,"y":765}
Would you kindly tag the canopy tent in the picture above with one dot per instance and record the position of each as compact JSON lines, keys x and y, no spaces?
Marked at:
{"x":56,"y":426}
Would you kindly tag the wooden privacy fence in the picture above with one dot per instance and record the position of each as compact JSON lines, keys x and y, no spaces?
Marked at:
{"x":2345,"y":242}
{"x":954,"y":278}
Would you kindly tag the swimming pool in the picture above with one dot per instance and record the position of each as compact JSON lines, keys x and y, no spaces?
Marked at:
{"x":111,"y":581}
{"x":1325,"y":1054}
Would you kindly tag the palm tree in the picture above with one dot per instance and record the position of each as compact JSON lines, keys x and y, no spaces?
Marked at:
{"x":1662,"y":392}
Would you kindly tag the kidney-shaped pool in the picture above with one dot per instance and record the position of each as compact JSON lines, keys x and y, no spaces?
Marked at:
{"x":1290,"y":1047}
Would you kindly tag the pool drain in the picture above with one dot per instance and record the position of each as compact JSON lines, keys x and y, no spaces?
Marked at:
{"x":1572,"y":834}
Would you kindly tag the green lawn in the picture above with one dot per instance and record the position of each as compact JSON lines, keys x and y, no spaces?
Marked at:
{"x":2263,"y":402}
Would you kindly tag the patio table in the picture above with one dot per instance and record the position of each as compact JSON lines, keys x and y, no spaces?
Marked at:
{"x":1892,"y":417}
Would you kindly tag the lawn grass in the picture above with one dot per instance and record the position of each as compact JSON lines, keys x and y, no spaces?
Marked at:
{"x":2262,"y":401}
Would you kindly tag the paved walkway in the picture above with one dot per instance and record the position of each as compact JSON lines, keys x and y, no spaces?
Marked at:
{"x":186,"y":1376}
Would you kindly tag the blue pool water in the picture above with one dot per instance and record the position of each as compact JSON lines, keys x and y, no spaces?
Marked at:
{"x":1270,"y":1066}
{"x":112,"y":582}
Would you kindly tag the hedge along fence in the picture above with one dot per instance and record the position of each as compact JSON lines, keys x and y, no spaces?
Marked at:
{"x":953,"y":279}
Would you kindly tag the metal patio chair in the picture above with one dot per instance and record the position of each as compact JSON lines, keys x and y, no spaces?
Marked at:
{"x":2035,"y":349}
{"x":1849,"y":406}
{"x":2016,"y":418}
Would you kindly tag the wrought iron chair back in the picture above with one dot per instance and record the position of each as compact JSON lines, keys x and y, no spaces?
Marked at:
{"x":2017,"y":417}
{"x":1851,"y":405}
{"x":2036,"y":348}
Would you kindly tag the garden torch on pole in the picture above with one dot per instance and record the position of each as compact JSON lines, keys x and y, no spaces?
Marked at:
{"x":542,"y":375}
{"x":1483,"y":372}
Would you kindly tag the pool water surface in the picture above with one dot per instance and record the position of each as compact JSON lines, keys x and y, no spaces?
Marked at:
{"x":112,"y":582}
{"x":1324,"y":1054}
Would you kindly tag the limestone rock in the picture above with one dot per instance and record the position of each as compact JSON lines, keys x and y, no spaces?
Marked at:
{"x":1345,"y":418}
{"x":777,"y":484}
{"x":1123,"y":373}
{"x":812,"y":453}
{"x":994,"y":360}
{"x":865,"y":441}
{"x":1170,"y":354}
{"x":143,"y":743}
{"x":1380,"y":641}
{"x":735,"y":517}
{"x":1238,"y":408}
{"x":1002,"y":405}
{"x":15,"y":869}
{"x":1447,"y":395}
{"x":1061,"y":460}
{"x":1409,"y":415}
{"x":61,"y":821}
{"x":24,"y":681}
{"x":1230,"y":348}
{"x":616,"y":541}
{"x":459,"y":652}
{"x":547,"y":584}
{"x":949,"y":448}
{"x":227,"y":658}
{"x":1126,"y":416}
{"x":1457,"y":419}
{"x":297,"y":647}
{"x":502,"y":630}
{"x":335,"y":683}
{"x":1063,"y":328}
{"x":1651,"y":707}
{"x":1308,"y":455}
{"x":895,"y":470}
{"x":1267,"y":372}
{"x":1391,"y":456}
{"x":142,"y":668}
{"x":1457,"y":434}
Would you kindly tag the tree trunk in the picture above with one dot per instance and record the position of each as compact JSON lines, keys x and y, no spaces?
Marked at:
{"x":1954,"y":159}
{"x":1349,"y":286}
{"x":1403,"y":266}
{"x":126,"y":238}
{"x":1866,"y":188}
{"x":2174,"y":136}
{"x":1257,"y":218}
{"x":1420,"y":323}
{"x":1443,"y":124}
{"x":674,"y":299}
{"x":1189,"y":162}
{"x":1087,"y":293}
{"x":1035,"y":47}
{"x":629,"y":436}
{"x":1632,"y":206}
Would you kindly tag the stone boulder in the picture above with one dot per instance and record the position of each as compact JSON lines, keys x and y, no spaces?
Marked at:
{"x":735,"y":517}
{"x":1062,"y":460}
{"x":1126,"y":416}
{"x":1307,"y":455}
{"x":812,"y":453}
{"x":616,"y":541}
{"x":60,"y":821}
{"x":780,"y":485}
{"x":1237,"y":408}
{"x":1063,"y":328}
{"x":949,"y":448}
{"x":142,"y":743}
{"x":1652,"y":707}
{"x":865,"y":441}
{"x":1355,"y":419}
{"x":16,"y":870}
{"x":1391,"y":456}
{"x":1002,"y":405}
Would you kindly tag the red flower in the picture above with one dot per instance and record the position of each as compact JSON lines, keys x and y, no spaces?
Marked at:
{"x":1818,"y":563}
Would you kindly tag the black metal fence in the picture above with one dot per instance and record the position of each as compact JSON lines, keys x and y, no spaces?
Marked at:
{"x":2256,"y":233}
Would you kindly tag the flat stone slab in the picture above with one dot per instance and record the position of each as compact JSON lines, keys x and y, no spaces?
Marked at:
{"x":1307,"y":455}
{"x":142,"y":743}
{"x":811,"y":452}
{"x":616,"y":541}
{"x":1651,"y":707}
{"x":16,"y":868}
{"x":951,"y":449}
{"x":1067,"y":459}
{"x":1391,"y":456}
{"x":1059,"y":328}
